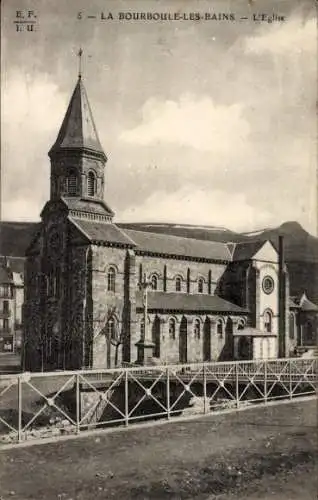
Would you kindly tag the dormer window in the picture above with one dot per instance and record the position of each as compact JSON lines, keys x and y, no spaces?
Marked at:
{"x":91,"y":184}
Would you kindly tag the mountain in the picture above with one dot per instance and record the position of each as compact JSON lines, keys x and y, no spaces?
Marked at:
{"x":15,"y":237}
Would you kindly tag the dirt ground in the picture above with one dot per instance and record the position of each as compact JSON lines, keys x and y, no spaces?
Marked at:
{"x":260,"y":454}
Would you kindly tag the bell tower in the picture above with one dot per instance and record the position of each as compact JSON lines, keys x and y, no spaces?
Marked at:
{"x":77,"y":157}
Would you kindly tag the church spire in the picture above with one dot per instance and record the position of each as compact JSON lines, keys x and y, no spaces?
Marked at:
{"x":77,"y":156}
{"x":78,"y":131}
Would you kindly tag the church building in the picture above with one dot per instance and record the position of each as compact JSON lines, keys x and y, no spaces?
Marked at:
{"x":98,"y":296}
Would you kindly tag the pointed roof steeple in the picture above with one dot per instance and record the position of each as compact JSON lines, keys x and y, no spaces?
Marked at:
{"x":78,"y":130}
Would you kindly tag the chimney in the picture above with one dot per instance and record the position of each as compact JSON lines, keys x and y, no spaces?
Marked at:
{"x":281,"y":300}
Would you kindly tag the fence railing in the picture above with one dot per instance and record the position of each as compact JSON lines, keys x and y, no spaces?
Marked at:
{"x":36,"y":405}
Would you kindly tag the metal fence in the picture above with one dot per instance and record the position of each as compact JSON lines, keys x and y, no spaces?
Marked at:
{"x":37,"y":405}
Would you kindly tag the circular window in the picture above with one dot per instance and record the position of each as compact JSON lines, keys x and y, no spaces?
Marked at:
{"x":268,"y":284}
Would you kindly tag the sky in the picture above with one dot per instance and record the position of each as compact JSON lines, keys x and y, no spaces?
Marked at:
{"x":203,"y":122}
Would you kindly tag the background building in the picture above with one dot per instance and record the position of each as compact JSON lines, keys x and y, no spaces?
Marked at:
{"x":11,"y":302}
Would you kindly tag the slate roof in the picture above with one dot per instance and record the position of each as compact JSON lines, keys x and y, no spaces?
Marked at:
{"x":173,"y":301}
{"x":175,"y":245}
{"x":5,"y":275}
{"x":303,"y":303}
{"x":101,"y":231}
{"x":78,"y":130}
{"x":92,"y":206}
{"x":16,"y":264}
{"x":246,"y":250}
{"x":307,"y":305}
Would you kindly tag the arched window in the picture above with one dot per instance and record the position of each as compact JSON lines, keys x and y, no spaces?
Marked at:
{"x":178,"y":284}
{"x":111,"y":280}
{"x":91,"y":184}
{"x":172,"y":329}
{"x":292,"y":326}
{"x":71,"y":183}
{"x":268,"y":321}
{"x":111,"y":328}
{"x":200,"y":285}
{"x":220,"y":328}
{"x":154,"y":282}
{"x":197,"y":329}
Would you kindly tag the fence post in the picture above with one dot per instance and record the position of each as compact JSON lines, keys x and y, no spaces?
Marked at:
{"x":126,"y":398}
{"x":237,"y":388}
{"x":205,"y":390}
{"x":168,"y":393}
{"x":265,"y":381}
{"x":290,"y":380}
{"x":78,"y":417}
{"x":19,"y":408}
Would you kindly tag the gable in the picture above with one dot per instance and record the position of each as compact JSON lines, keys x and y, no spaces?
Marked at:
{"x":266,"y":253}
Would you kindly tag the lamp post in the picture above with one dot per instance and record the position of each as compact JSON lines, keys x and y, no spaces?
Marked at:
{"x":84,"y":310}
{"x":144,"y":345}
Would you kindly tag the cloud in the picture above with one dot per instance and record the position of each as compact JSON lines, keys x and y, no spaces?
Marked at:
{"x":32,"y":111}
{"x":191,"y":121}
{"x":288,"y":38}
{"x":191,"y":205}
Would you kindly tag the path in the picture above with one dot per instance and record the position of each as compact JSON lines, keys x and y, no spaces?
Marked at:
{"x":246,"y":455}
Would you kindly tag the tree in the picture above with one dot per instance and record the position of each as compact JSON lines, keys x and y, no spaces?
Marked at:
{"x":111,"y":330}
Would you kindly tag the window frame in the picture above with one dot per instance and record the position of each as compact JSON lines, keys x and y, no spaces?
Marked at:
{"x":220,"y":331}
{"x":154,"y":278}
{"x":172,"y":331}
{"x":200,"y":285}
{"x":111,"y":279}
{"x":71,"y":183}
{"x":178,"y":283}
{"x":91,"y":184}
{"x":197,"y":329}
{"x":269,"y":314}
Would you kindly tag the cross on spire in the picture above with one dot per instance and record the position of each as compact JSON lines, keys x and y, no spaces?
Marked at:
{"x":79,"y":54}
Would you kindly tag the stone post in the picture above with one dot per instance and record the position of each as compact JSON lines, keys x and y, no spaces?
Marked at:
{"x":145,"y":345}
